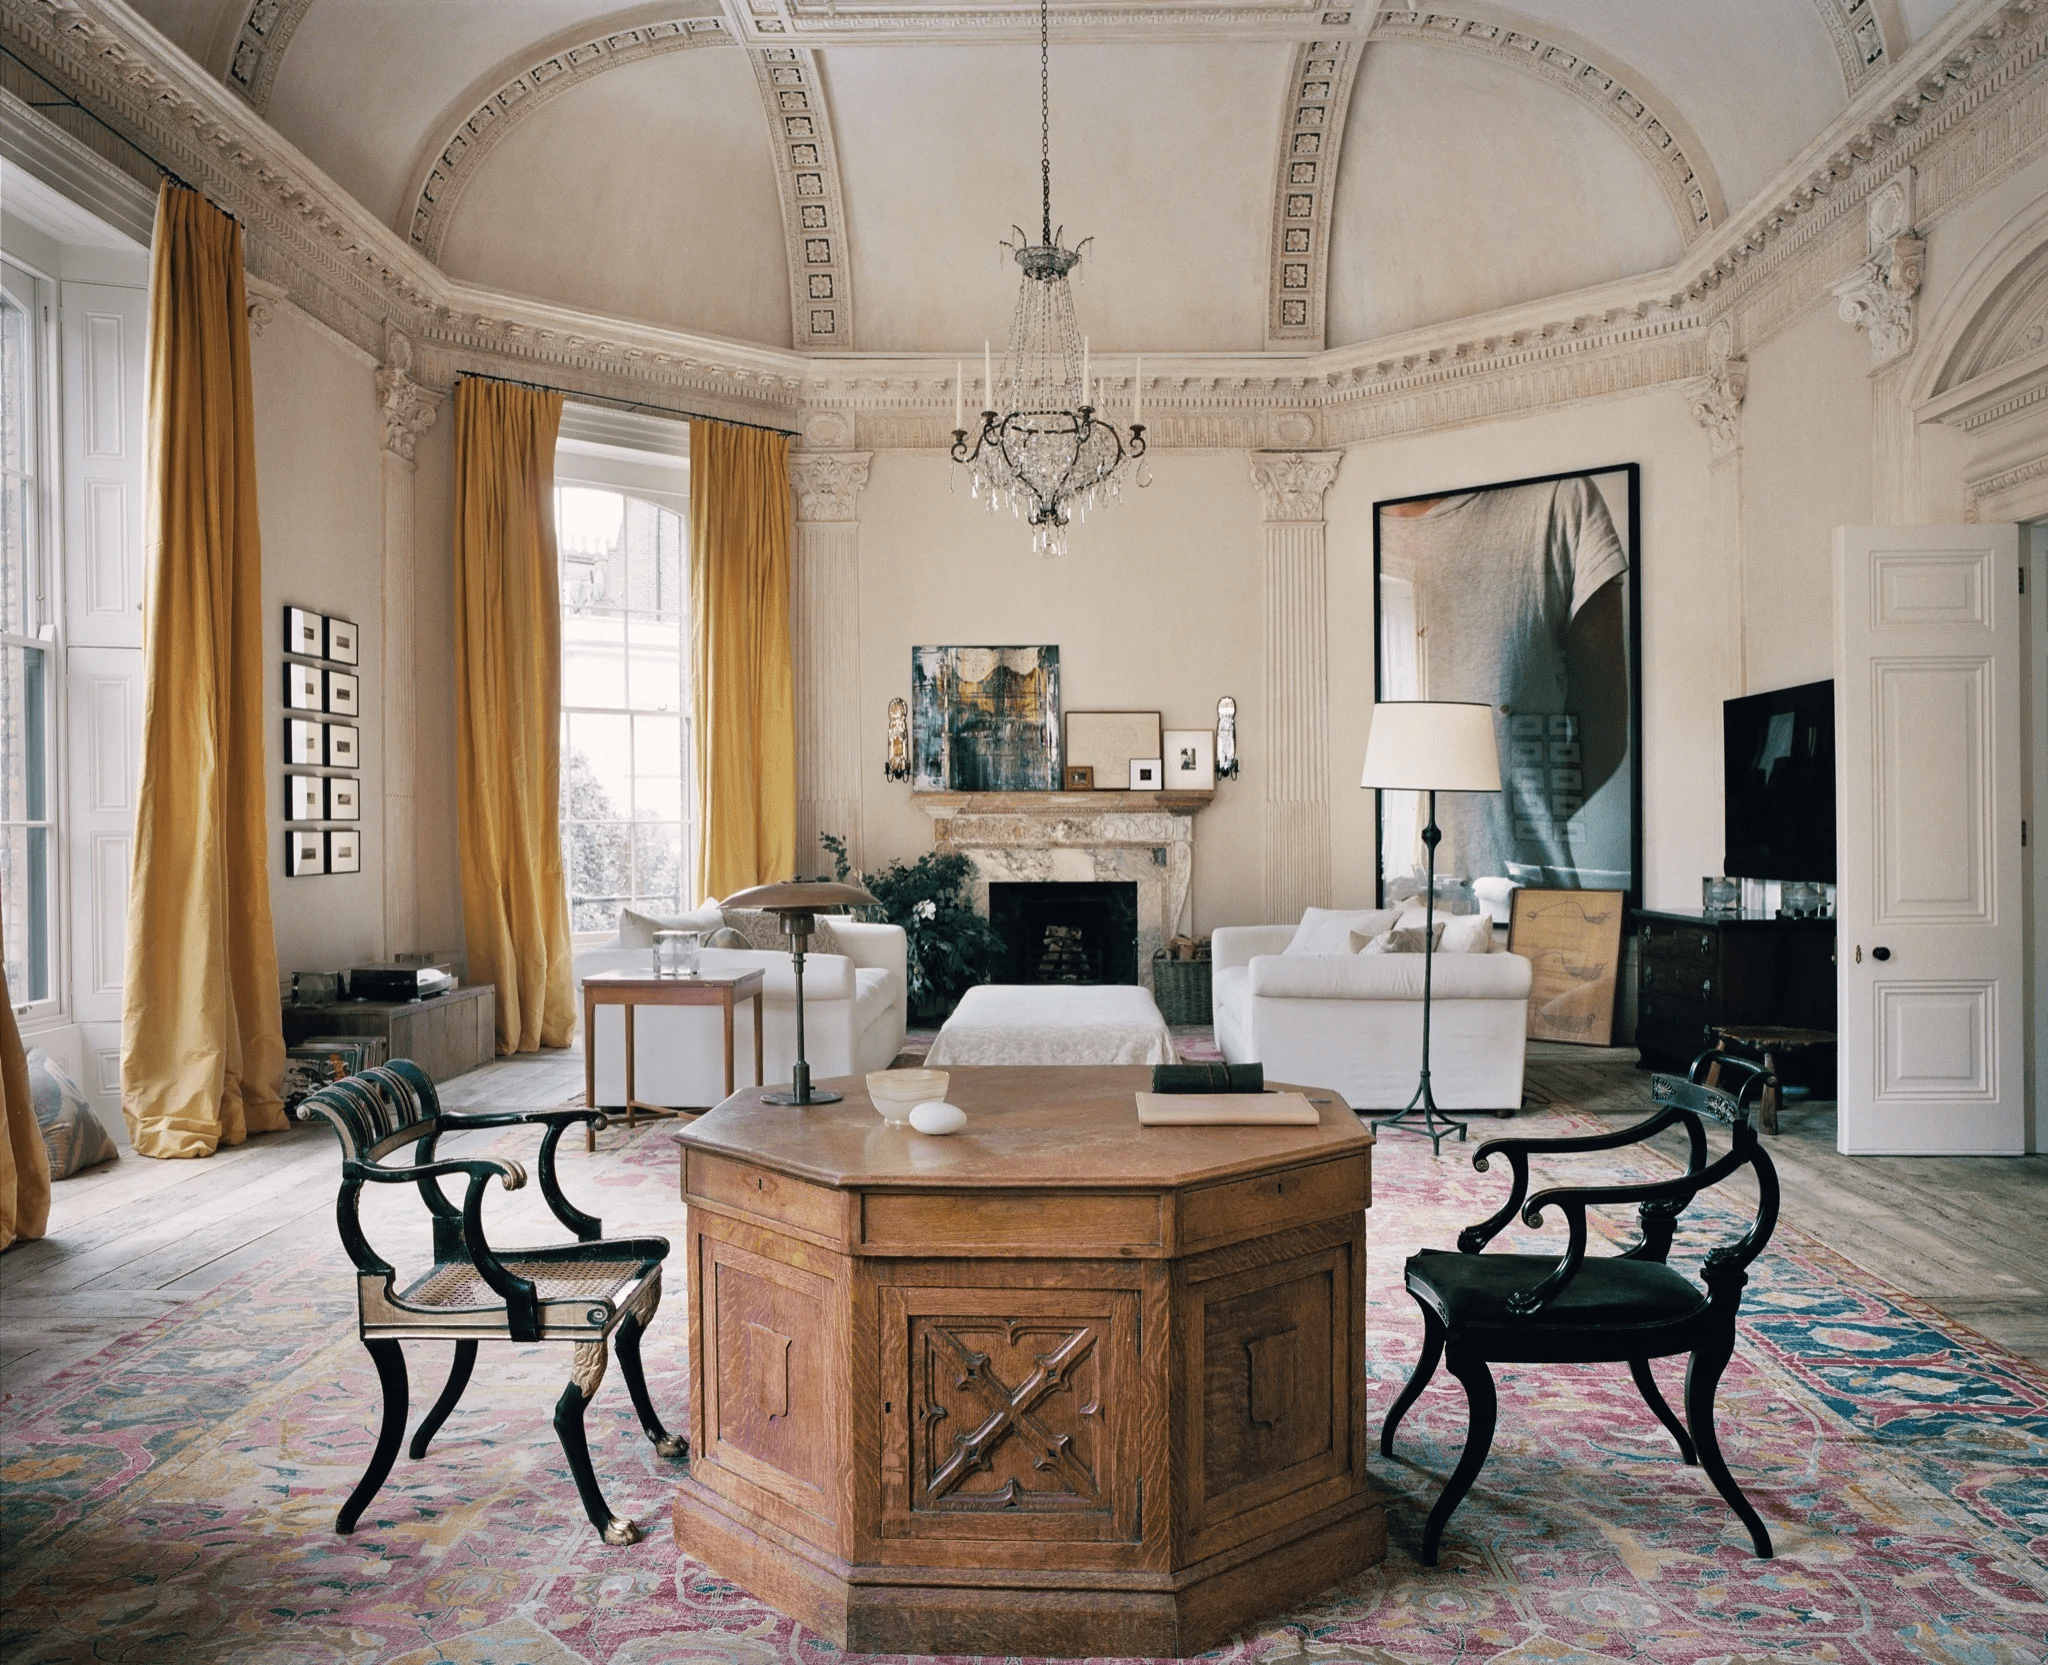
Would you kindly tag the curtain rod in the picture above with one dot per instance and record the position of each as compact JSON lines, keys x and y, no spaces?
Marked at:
{"x":627,"y":404}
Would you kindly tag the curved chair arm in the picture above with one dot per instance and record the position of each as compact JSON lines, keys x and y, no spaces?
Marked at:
{"x":587,"y":1227}
{"x":1474,"y":1238}
{"x":522,"y":1303}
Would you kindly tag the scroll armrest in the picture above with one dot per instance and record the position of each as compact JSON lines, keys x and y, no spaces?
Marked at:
{"x":557,"y":1121}
{"x":1580,"y":1141}
{"x":456,"y":1121}
{"x":522,"y":1302}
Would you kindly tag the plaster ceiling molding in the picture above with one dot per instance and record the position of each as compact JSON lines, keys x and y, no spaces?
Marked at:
{"x":1319,"y":87}
{"x":259,"y":46}
{"x":1717,"y":400}
{"x":813,"y":208}
{"x":1623,"y":98}
{"x":1858,"y":35}
{"x":1878,"y":296}
{"x":499,"y":103}
{"x":820,"y":23}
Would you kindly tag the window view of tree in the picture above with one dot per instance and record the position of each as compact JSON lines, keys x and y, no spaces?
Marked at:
{"x":27,"y":890}
{"x":625,"y":715}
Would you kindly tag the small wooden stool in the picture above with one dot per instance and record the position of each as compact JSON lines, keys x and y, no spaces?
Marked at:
{"x":1771,"y":1043}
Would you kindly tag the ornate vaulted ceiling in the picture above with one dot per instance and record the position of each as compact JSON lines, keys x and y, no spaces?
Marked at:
{"x":837,"y":174}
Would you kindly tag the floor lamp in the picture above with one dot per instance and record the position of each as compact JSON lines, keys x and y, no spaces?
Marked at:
{"x":1429,"y":746}
{"x":798,"y":903}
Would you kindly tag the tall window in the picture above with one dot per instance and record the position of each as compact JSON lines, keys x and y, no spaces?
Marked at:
{"x":27,"y":639}
{"x":625,"y":711}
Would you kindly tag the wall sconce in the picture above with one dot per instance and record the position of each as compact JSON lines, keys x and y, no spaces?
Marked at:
{"x":1226,"y":738}
{"x":896,"y":766}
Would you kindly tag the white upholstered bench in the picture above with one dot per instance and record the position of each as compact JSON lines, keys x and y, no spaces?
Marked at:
{"x":1053,"y":1023}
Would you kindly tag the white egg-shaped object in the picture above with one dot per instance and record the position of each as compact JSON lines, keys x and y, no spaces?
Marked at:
{"x":938,"y":1117}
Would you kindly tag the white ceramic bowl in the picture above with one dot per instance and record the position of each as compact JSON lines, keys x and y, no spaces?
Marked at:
{"x":897,"y":1092}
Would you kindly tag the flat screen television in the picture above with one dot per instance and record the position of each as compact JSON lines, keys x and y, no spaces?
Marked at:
{"x":1778,"y":757}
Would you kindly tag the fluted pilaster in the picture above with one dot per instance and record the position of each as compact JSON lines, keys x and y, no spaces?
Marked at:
{"x":826,"y":640}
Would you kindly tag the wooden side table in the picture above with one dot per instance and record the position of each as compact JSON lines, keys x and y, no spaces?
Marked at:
{"x":633,"y":989}
{"x":1772,"y":1042}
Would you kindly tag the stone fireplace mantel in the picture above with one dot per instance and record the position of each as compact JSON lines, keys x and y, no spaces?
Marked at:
{"x":1144,"y":838}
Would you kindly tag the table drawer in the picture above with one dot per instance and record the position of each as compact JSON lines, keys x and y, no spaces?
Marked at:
{"x":766,"y":1194}
{"x":1062,"y":1222}
{"x":1680,"y":981}
{"x":1273,"y":1202}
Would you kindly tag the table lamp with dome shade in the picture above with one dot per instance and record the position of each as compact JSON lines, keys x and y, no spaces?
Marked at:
{"x":798,"y":902}
{"x":1429,"y":746}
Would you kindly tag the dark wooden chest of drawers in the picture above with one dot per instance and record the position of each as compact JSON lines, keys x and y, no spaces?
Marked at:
{"x":1693,"y":972}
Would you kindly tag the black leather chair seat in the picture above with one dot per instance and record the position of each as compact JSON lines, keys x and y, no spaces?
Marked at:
{"x":1471,"y":1291}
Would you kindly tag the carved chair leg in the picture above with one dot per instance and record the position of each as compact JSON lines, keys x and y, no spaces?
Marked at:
{"x":1418,"y":1378}
{"x":671,"y":1446}
{"x":1646,"y":1384}
{"x":1479,"y":1397}
{"x":458,"y":1379}
{"x":584,"y":1376}
{"x":390,"y":1362}
{"x":1702,"y":1376}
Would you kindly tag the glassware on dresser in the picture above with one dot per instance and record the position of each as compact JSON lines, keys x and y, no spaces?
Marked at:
{"x":1720,"y":896}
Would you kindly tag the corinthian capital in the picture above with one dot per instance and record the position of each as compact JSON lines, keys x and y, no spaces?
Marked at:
{"x":1293,"y":482}
{"x":409,"y":409}
{"x":1878,"y":296}
{"x":827,"y":482}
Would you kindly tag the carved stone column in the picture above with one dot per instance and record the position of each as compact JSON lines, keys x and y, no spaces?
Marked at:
{"x":825,"y":635}
{"x":1717,"y":407}
{"x":408,"y":411}
{"x":1296,"y":761}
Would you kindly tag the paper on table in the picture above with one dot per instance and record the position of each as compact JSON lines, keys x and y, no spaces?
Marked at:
{"x":1226,"y":1110}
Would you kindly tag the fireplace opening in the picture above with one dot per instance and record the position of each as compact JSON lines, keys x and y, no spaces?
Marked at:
{"x":1066,"y":933}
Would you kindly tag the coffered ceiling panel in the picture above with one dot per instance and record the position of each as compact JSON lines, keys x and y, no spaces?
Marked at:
{"x":646,"y":192}
{"x":1163,"y":154}
{"x":1467,"y":185}
{"x":366,"y":83}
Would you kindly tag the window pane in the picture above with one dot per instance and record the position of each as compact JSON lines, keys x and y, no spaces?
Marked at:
{"x":597,"y":862}
{"x":593,"y":659}
{"x":658,"y":864}
{"x":17,"y":388}
{"x":17,"y":555}
{"x":655,"y":680}
{"x":597,"y":768}
{"x":24,"y":766}
{"x":25,"y":910}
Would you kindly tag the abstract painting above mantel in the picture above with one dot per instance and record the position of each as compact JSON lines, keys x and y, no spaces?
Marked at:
{"x":1523,"y":597}
{"x":985,"y":719}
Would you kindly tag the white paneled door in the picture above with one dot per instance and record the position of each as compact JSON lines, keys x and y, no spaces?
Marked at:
{"x":104,"y":448}
{"x":1928,"y":905}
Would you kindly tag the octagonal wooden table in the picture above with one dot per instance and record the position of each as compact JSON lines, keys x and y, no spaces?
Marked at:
{"x":1056,"y":1384}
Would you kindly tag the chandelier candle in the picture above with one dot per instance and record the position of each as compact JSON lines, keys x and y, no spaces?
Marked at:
{"x":1040,"y":452}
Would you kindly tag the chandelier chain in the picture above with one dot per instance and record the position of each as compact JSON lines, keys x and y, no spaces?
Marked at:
{"x":1045,"y":118}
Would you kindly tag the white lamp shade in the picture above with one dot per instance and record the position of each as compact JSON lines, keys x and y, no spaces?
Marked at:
{"x":1431,"y":746}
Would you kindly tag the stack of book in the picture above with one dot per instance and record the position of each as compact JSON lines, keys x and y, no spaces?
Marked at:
{"x":312,"y":1064}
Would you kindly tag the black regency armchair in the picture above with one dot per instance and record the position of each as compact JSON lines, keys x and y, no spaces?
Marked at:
{"x":582,"y":1293}
{"x":1530,"y":1309}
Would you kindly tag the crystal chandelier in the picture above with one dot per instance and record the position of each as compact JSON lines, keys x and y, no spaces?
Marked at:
{"x":1046,"y":457}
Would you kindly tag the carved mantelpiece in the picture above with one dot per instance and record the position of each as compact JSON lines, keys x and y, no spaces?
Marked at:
{"x":1141,"y":838}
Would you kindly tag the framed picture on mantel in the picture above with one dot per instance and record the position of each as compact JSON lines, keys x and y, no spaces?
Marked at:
{"x":985,"y":719}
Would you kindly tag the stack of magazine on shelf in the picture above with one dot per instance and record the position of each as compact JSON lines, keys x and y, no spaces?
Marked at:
{"x":313,"y":1063}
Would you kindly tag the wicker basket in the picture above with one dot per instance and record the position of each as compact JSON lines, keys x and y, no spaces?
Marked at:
{"x":1182,"y":989}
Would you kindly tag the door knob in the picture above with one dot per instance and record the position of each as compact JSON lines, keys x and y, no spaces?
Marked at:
{"x":1880,"y":953}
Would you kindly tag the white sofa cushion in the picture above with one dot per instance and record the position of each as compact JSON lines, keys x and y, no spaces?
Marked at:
{"x":1329,"y":930}
{"x":636,"y":929}
{"x":873,"y":990}
{"x":1387,"y":977}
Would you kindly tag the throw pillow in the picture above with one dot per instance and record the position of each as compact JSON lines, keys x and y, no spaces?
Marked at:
{"x":763,"y":930}
{"x":71,"y":1132}
{"x":636,"y":929}
{"x":1329,"y":930}
{"x":1466,"y":934}
{"x":1404,"y":939}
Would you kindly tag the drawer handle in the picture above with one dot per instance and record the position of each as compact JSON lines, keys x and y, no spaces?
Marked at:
{"x":1706,"y":944}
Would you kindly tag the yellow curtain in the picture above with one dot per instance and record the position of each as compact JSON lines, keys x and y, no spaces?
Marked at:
{"x":741,"y":684}
{"x":24,"y":1159}
{"x":202,"y":1046}
{"x":508,"y":679}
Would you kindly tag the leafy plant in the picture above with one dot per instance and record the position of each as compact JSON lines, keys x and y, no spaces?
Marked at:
{"x":949,"y":946}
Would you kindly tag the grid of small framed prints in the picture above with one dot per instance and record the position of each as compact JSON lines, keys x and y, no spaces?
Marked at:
{"x":322,"y":732}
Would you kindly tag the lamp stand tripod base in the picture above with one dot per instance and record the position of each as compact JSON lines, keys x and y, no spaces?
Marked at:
{"x":1432,"y":1123}
{"x":801,"y":1091}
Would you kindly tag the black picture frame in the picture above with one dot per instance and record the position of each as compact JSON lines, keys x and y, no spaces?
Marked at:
{"x":1480,"y":588}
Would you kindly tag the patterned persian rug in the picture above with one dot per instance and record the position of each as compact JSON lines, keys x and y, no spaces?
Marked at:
{"x":172,"y":1499}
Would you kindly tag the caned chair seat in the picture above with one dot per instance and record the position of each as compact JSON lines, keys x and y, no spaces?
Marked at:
{"x":1480,"y":1309}
{"x":590,"y":1293}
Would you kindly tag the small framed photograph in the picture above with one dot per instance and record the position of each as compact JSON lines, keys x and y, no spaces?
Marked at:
{"x":344,"y":746}
{"x":303,"y":743}
{"x":344,"y":798}
{"x":1190,"y":759}
{"x":345,"y":851}
{"x":305,"y":852}
{"x":302,"y":690}
{"x":304,"y":632}
{"x":1080,"y":778}
{"x":305,"y":798}
{"x":344,"y":691}
{"x":1106,"y":741}
{"x":342,"y":645}
{"x":1145,"y":774}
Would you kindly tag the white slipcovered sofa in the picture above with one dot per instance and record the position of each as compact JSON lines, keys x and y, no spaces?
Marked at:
{"x":1353,"y":1022}
{"x":854,"y":1009}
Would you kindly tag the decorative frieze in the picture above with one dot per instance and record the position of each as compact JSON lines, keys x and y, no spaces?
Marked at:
{"x":1311,"y":133}
{"x":1877,"y":297}
{"x":1858,"y":38}
{"x":813,"y":209}
{"x":260,"y":42}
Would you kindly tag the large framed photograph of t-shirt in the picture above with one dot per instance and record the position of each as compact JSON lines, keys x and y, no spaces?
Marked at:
{"x":1525,"y":597}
